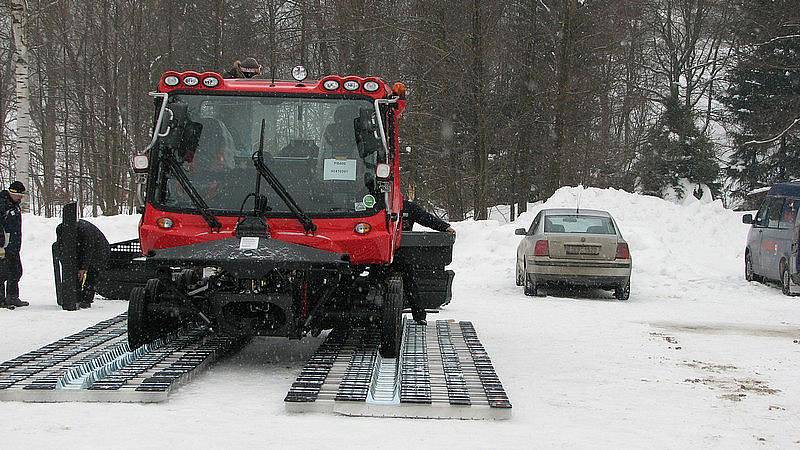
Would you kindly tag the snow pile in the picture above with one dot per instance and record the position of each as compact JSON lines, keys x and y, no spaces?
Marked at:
{"x":672,"y":245}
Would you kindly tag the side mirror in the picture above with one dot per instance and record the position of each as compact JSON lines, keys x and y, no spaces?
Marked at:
{"x":180,"y":112}
{"x":365,"y":122}
{"x":748,"y":219}
{"x":172,"y":128}
{"x":366,"y":133}
{"x":521,"y":232}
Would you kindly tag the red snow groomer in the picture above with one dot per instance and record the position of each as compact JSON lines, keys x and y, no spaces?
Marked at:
{"x":273,"y":208}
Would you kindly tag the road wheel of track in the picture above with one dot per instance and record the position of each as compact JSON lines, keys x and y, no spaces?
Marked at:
{"x":138,"y":329}
{"x":392,"y":318}
{"x":785,"y":279}
{"x":530,"y":288}
{"x":623,"y":292}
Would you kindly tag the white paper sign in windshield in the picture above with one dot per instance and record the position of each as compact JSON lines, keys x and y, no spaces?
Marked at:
{"x":339,"y":169}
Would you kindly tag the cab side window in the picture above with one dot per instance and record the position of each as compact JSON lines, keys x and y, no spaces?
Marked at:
{"x":775,"y":212}
{"x":761,"y":217}
{"x":789,"y":213}
{"x":535,"y":224}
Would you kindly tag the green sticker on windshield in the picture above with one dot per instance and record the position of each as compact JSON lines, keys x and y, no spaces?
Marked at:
{"x":369,"y":201}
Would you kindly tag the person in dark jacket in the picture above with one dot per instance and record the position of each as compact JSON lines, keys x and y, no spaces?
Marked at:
{"x":10,"y":245}
{"x":93,"y":254}
{"x":413,"y":213}
{"x":249,"y":68}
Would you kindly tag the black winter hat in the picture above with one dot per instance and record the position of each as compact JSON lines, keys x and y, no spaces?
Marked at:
{"x":16,"y":188}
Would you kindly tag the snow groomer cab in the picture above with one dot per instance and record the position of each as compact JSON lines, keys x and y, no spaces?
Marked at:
{"x":772,"y":242}
{"x":273,"y":208}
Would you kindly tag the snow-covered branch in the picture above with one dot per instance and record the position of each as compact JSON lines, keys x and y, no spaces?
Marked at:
{"x":779,"y":38}
{"x":775,"y":138}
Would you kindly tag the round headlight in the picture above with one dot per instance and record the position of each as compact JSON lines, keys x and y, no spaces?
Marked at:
{"x":371,"y":86}
{"x":164,"y":223}
{"x":172,"y":80}
{"x":351,"y":85}
{"x":211,"y":82}
{"x":191,"y":81}
{"x":362,"y":228}
{"x":330,"y":85}
{"x":299,"y":73}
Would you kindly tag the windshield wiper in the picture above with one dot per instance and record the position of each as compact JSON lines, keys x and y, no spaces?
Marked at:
{"x":194,"y":196}
{"x":277,"y":186}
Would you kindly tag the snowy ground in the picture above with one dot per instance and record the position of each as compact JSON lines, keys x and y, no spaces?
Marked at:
{"x":697,"y":357}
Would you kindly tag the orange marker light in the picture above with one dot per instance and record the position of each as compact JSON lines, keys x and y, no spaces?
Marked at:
{"x":399,"y":89}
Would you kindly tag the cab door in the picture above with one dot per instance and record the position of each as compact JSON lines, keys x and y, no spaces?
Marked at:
{"x":756,"y":234}
{"x":771,"y":238}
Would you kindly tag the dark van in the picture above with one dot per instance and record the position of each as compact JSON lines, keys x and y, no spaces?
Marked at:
{"x":771,"y":252}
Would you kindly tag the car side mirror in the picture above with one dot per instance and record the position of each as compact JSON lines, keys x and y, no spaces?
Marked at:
{"x":747,"y":218}
{"x":521,"y":232}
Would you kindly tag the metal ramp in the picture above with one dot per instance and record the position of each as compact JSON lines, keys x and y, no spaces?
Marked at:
{"x":96,"y":365}
{"x":443,"y":372}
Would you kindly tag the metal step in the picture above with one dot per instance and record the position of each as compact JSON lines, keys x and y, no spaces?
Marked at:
{"x":96,"y":365}
{"x":443,"y":372}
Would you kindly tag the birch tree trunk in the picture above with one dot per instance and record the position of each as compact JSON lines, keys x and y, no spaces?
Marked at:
{"x":19,"y":13}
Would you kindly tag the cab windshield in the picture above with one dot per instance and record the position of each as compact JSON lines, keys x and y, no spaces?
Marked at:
{"x":309,"y":144}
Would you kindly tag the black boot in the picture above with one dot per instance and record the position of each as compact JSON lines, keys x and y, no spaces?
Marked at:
{"x":18,"y":303}
{"x":5,"y":304}
{"x":419,"y":316}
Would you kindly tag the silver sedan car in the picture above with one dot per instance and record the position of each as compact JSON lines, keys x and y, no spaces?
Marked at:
{"x":575,"y":247}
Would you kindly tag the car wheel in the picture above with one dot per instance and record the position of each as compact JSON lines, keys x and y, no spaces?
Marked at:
{"x":749,"y":274}
{"x":530,"y":288}
{"x":785,"y":280}
{"x":623,"y":292}
{"x":520,"y":280}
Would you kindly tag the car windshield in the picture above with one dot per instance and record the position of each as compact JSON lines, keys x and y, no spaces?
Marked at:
{"x":578,"y":224}
{"x":309,"y":144}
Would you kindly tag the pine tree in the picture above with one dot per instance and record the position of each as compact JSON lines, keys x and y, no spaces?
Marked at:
{"x":764,"y":97}
{"x":677,"y":149}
